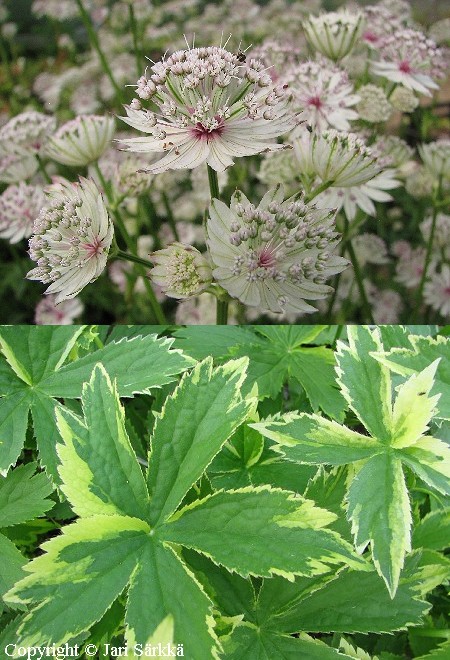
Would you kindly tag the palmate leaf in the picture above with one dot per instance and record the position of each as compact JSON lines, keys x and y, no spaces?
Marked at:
{"x":433,"y":531}
{"x":33,"y":375}
{"x":23,"y":495}
{"x":115,"y":544}
{"x":11,"y":565}
{"x":378,"y":502}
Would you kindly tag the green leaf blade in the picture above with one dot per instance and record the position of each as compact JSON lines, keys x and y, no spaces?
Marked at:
{"x":23,"y":495}
{"x":14,"y":411}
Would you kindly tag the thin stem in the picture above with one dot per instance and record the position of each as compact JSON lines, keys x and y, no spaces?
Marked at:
{"x":359,"y":281}
{"x":222,"y":312}
{"x":429,"y":249}
{"x":42,"y":169}
{"x":213,"y":183}
{"x":170,"y":218}
{"x":126,"y":256}
{"x":134,"y":31}
{"x":93,"y":38}
{"x":222,"y":305}
{"x":318,"y":190}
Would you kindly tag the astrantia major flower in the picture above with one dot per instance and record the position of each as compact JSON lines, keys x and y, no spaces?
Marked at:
{"x":273,"y":256}
{"x":212,"y":107}
{"x":334,"y":34}
{"x":72,"y":237}
{"x":373,"y":105}
{"x":29,"y":131}
{"x":436,"y":157}
{"x":323,"y":94}
{"x":81,"y":141}
{"x":47,"y":312}
{"x":181,"y":271}
{"x":437,"y":291}
{"x":409,"y":58}
{"x":17,"y":165}
{"x":19,"y":206}
{"x":342,"y":159}
{"x":379,"y":24}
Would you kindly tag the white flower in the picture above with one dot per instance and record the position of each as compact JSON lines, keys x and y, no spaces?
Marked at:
{"x":362,"y":196}
{"x":409,"y":268}
{"x":47,"y":312}
{"x":201,"y":310}
{"x":419,"y":183}
{"x":409,"y":58}
{"x":334,"y":34}
{"x":370,"y":249}
{"x":278,"y":167}
{"x":72,"y":237}
{"x":273,"y":256}
{"x":19,"y":206}
{"x":81,"y":140}
{"x":180,"y":270}
{"x":386,"y":306}
{"x":441,"y":241}
{"x":212,"y":108}
{"x":436,"y":292}
{"x":17,"y":165}
{"x":342,"y":159}
{"x":373,"y":105}
{"x":28,"y":131}
{"x":403,"y":99}
{"x":380,"y":22}
{"x":436,"y":157}
{"x":394,"y":149}
{"x":323,"y":94}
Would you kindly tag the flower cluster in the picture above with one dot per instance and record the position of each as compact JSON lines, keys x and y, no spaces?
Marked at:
{"x":29,"y":130}
{"x":80,"y":141}
{"x":212,"y":108}
{"x":274,"y":256}
{"x":334,"y":34}
{"x":19,"y":206}
{"x":71,"y":238}
{"x":181,"y":271}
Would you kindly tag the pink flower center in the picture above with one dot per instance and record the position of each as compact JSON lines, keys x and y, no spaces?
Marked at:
{"x":315,"y":101}
{"x":201,"y":132}
{"x":404,"y":67}
{"x":94,"y":248}
{"x":371,"y":37}
{"x":266,"y":258}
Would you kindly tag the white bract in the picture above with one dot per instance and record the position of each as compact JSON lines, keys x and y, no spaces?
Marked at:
{"x":181,"y":271}
{"x":409,"y":58}
{"x":334,"y":34}
{"x":47,"y":312}
{"x":81,"y":141}
{"x":212,"y":107}
{"x":274,"y":256}
{"x":19,"y":206}
{"x":436,"y":157}
{"x":72,"y":237}
{"x":437,"y":291}
{"x":28,"y":131}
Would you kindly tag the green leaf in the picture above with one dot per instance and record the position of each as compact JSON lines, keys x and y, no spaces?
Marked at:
{"x":379,"y":509}
{"x":195,"y":422}
{"x":425,"y":351}
{"x":327,"y":490}
{"x":109,"y":479}
{"x":138,"y":365}
{"x":14,"y":410}
{"x":202,"y":341}
{"x":36,"y":351}
{"x":171,"y":594}
{"x":11,"y":565}
{"x":414,"y":408}
{"x":43,"y":413}
{"x":366,"y":383}
{"x":429,"y":458}
{"x":23,"y":496}
{"x":237,"y":530}
{"x":441,"y":652}
{"x":433,"y":531}
{"x":312,"y":439}
{"x":87,"y":567}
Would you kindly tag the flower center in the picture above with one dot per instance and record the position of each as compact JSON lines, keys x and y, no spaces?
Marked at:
{"x":266,"y":258}
{"x":315,"y":101}
{"x":371,"y":37}
{"x":94,"y":248}
{"x":404,"y":67}
{"x":208,"y":133}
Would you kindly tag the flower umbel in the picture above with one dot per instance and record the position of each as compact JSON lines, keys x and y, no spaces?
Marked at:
{"x":335,"y":33}
{"x":436,"y":157}
{"x":81,"y":140}
{"x":72,"y":237}
{"x":181,"y":271}
{"x":212,"y":108}
{"x":273,"y":256}
{"x":19,"y":205}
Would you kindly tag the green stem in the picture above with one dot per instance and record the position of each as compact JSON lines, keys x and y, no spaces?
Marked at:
{"x":429,"y":250}
{"x":43,"y":170}
{"x":170,"y":218}
{"x":222,"y":305}
{"x":93,"y":38}
{"x":358,"y":275}
{"x":222,"y":312}
{"x":6,"y":63}
{"x":126,"y":256}
{"x":213,"y":183}
{"x":134,"y":31}
{"x":318,"y":190}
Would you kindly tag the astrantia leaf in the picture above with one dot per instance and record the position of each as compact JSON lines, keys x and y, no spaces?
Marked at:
{"x":138,"y":365}
{"x":200,"y":342}
{"x":365,"y":383}
{"x":379,"y":509}
{"x":429,"y":458}
{"x":195,"y":422}
{"x":14,"y":410}
{"x":235,"y":529}
{"x":99,"y":445}
{"x":11,"y":565}
{"x":424,"y":351}
{"x":433,"y":531}
{"x":23,"y":495}
{"x":441,"y":652}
